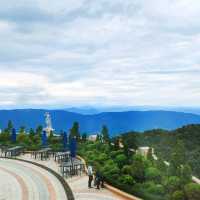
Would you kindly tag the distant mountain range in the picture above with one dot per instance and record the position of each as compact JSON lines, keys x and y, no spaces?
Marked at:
{"x":95,"y":110}
{"x":117,"y":122}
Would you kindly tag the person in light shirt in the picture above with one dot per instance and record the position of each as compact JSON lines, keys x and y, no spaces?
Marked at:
{"x":90,"y":176}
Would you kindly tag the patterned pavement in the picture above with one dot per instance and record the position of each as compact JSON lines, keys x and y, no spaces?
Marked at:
{"x":24,"y":181}
{"x":78,"y":184}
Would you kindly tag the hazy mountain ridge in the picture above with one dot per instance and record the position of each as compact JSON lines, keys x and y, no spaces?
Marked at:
{"x":117,"y":122}
{"x":96,"y":110}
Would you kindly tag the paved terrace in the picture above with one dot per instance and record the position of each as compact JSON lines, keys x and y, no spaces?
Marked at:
{"x":78,"y":184}
{"x":24,"y":181}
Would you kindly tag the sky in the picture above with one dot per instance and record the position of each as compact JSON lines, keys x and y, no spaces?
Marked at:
{"x":99,"y":53}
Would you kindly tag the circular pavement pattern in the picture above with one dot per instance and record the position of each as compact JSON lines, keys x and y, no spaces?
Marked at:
{"x":24,"y":181}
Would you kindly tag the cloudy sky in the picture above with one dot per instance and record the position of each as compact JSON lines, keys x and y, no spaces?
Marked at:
{"x":99,"y":52}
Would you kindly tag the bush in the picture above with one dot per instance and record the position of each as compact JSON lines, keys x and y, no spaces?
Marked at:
{"x":178,"y":195}
{"x":113,"y":154}
{"x":153,"y":174}
{"x":121,"y":160}
{"x":154,"y":188}
{"x":126,"y":179}
{"x":126,"y":169}
{"x":173,"y":184}
{"x":192,"y":191}
{"x":138,"y":168}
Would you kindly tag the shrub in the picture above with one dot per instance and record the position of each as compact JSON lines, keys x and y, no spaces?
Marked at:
{"x":121,"y":160}
{"x":178,"y":195}
{"x":173,"y":184}
{"x":126,"y":179}
{"x":126,"y":169}
{"x":153,"y":174}
{"x":192,"y":191}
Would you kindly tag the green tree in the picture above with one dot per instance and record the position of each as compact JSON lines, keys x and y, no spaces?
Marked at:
{"x":4,"y":136}
{"x":130,"y":140}
{"x":178,"y":158}
{"x":31,"y":134}
{"x":22,"y":138}
{"x":105,"y":134}
{"x":84,"y":137}
{"x":121,"y":160}
{"x":10,"y":126}
{"x":39,"y":130}
{"x":153,"y":174}
{"x":22,"y":130}
{"x":186,"y":174}
{"x":138,"y":168}
{"x":126,"y":179}
{"x":74,"y":132}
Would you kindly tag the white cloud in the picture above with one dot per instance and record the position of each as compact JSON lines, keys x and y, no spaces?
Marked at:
{"x":99,"y":52}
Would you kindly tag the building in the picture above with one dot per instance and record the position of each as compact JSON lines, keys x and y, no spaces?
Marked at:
{"x":144,"y":151}
{"x":92,"y":137}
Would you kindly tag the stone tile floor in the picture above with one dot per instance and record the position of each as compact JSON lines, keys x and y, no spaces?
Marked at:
{"x":24,"y":181}
{"x":78,"y":184}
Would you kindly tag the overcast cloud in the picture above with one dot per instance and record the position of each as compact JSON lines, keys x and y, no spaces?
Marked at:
{"x":99,"y":52}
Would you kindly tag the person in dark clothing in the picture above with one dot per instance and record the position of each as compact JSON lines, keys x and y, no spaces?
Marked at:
{"x":102,"y":182}
{"x":90,"y":181}
{"x":98,"y":180}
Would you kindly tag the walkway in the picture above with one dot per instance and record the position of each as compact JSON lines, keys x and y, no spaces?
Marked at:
{"x":78,"y":184}
{"x":24,"y":181}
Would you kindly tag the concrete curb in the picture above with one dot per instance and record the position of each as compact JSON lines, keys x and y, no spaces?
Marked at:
{"x":121,"y":193}
{"x":66,"y":187}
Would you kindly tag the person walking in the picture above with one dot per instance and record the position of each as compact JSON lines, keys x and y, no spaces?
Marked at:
{"x":90,"y":176}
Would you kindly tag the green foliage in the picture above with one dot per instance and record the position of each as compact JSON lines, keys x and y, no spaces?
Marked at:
{"x":121,"y":160}
{"x":185,"y":174}
{"x":164,"y":142}
{"x":10,"y":126}
{"x":74,"y":132}
{"x":84,"y":137}
{"x":192,"y":191}
{"x":5,"y":136}
{"x":178,"y":195}
{"x":22,"y":130}
{"x":177,"y":159}
{"x":126,"y":179}
{"x":138,"y":168}
{"x":31,"y":134}
{"x":105,"y":134}
{"x":39,"y":130}
{"x":23,"y":138}
{"x":154,"y":188}
{"x":173,"y":184}
{"x":127,"y":169}
{"x":153,"y":174}
{"x":129,"y":140}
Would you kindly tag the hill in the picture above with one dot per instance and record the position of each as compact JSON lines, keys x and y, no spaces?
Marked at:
{"x":117,"y":122}
{"x":164,"y":142}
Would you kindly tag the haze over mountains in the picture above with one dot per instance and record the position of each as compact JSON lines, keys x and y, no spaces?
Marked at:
{"x":95,"y":110}
{"x":117,"y":122}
